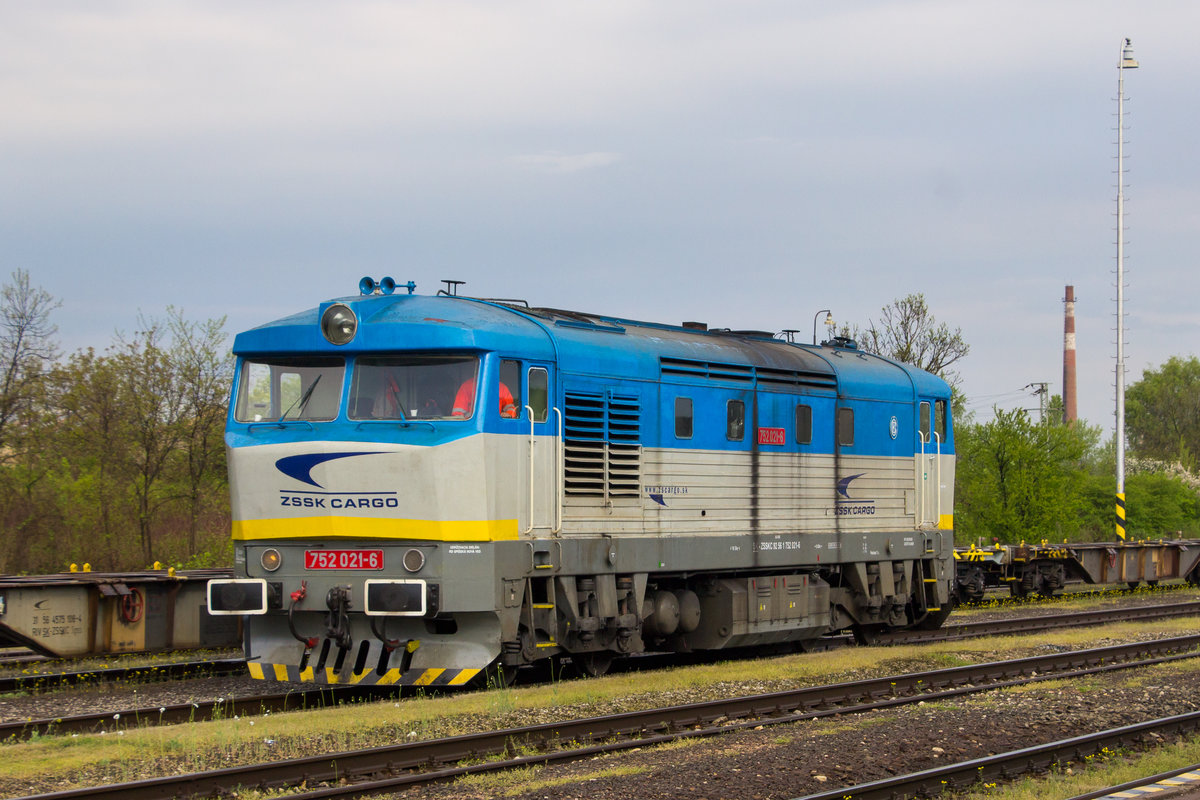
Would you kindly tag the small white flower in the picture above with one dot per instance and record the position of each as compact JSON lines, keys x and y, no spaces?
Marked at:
{"x":252,"y":722}
{"x":116,"y":716}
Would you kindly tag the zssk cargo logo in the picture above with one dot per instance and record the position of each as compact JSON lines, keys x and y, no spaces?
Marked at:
{"x":300,"y":468}
{"x":851,"y":507}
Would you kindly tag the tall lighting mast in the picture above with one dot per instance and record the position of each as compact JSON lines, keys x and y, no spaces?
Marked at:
{"x":1126,"y":61}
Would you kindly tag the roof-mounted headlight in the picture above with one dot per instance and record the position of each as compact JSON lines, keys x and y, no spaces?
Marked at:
{"x":339,"y":324}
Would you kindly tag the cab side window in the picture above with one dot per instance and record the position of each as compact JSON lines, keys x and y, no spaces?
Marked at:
{"x":925,"y":424}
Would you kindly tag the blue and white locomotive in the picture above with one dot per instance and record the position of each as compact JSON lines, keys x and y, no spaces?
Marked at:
{"x":424,"y":487}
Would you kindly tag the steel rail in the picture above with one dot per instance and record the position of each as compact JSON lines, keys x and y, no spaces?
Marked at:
{"x":1005,"y":766}
{"x":173,"y":671}
{"x":967,"y":630}
{"x":223,"y":708}
{"x":636,"y":729}
{"x":1149,"y":780}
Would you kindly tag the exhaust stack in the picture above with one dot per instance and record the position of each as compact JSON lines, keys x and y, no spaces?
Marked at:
{"x":1070,"y":411}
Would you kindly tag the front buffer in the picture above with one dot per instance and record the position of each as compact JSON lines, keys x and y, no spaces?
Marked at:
{"x":348,"y":618}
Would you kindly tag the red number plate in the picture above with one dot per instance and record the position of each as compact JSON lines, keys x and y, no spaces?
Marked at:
{"x":771,"y":436}
{"x":343,"y":559}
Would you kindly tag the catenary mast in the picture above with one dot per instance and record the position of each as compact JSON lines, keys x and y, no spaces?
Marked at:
{"x":1126,"y":61}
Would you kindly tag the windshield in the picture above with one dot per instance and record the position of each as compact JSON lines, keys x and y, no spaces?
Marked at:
{"x":279,"y":389}
{"x":413,"y":387}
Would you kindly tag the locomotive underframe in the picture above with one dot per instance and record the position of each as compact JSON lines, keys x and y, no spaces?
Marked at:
{"x":515,"y":602}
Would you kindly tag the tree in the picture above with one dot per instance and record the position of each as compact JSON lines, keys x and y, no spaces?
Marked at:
{"x":1163,"y":412}
{"x":155,"y":408}
{"x":27,"y":347}
{"x":908,"y":332}
{"x":205,"y":372}
{"x":90,"y":451}
{"x":1020,"y":480}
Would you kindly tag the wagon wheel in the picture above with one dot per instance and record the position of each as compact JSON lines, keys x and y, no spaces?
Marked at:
{"x":593,"y":665}
{"x":498,"y":675}
{"x":133,"y":605}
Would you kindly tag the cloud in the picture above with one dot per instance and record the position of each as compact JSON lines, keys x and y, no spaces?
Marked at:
{"x":566,"y":162}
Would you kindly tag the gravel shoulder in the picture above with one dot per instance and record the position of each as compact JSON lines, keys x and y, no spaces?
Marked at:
{"x":775,"y":762}
{"x":792,"y":760}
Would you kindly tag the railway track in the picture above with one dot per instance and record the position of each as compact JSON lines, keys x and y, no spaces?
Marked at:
{"x":395,"y":767}
{"x":1006,"y":766}
{"x":314,"y":697}
{"x":156,"y":672}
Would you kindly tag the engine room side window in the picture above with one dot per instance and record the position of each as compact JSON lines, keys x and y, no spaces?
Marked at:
{"x":683,"y":417}
{"x":539,"y":393}
{"x":803,"y":424}
{"x":278,"y":389}
{"x":735,"y":420}
{"x":398,"y":387}
{"x":845,"y":426}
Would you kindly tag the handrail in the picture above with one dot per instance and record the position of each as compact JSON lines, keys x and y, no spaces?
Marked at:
{"x":562,"y":475}
{"x":921,"y":482}
{"x":529,"y":411}
{"x":937,"y":483}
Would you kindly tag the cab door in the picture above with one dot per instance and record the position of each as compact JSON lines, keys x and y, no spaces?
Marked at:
{"x":545,"y":452}
{"x":930,"y":435}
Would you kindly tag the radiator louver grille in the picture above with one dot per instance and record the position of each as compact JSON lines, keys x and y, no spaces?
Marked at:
{"x":601,"y":434}
{"x":744,"y":373}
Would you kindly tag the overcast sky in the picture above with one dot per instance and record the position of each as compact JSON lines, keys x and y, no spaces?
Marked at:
{"x":742,"y":163}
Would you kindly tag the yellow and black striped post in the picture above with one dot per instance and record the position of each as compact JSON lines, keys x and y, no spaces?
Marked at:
{"x":1121,"y":516}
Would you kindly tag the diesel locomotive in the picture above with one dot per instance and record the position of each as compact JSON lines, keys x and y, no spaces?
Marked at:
{"x":430,"y":488}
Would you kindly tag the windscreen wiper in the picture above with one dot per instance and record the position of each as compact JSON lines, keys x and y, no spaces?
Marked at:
{"x":301,"y":401}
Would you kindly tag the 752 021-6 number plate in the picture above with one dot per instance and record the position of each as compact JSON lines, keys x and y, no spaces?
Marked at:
{"x":343,"y":559}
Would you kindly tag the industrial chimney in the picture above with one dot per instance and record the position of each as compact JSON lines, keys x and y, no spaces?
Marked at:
{"x":1070,"y":411}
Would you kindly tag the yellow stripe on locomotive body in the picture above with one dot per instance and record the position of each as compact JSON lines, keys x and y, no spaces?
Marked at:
{"x":356,"y":528}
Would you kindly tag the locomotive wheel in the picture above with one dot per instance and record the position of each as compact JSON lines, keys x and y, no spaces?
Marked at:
{"x":592,"y":665}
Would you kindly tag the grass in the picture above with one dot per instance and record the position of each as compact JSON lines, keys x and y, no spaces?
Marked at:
{"x":526,"y":779}
{"x":138,"y":752}
{"x":1109,"y":769}
{"x":124,"y":661}
{"x":1179,"y":593}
